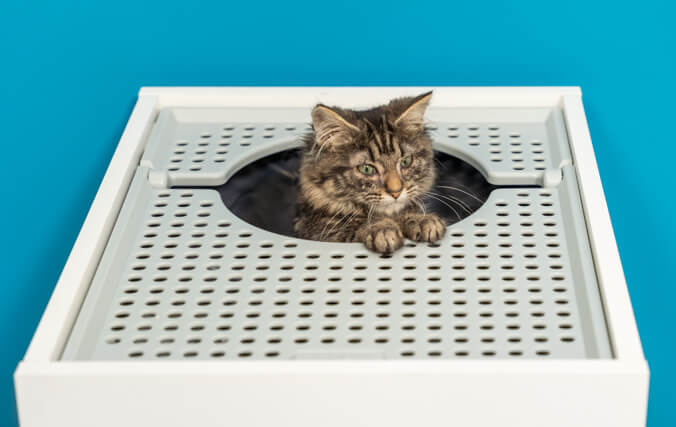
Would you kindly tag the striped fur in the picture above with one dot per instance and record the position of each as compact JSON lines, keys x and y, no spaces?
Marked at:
{"x":339,"y":202}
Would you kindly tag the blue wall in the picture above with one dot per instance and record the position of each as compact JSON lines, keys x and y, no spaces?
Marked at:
{"x":69,"y":72}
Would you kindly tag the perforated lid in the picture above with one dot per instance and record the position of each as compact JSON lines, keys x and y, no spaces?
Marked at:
{"x":206,"y":146}
{"x":183,"y":278}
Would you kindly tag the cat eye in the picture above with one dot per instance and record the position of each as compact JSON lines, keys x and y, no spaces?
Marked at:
{"x":367,"y":169}
{"x":405,"y":162}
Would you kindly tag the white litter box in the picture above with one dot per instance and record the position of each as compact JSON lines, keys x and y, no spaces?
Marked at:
{"x":174,"y":311}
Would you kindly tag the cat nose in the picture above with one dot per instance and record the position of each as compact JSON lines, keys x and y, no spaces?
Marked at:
{"x":393,"y":185}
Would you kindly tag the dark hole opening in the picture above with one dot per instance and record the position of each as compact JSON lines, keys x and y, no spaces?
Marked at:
{"x":263,"y":193}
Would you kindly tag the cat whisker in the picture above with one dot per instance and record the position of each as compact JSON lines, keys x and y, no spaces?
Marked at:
{"x":441,"y":201}
{"x":462,"y":186}
{"x":462,"y":191}
{"x":351,"y":217}
{"x":457,"y":201}
{"x":321,"y":235}
{"x":465,"y":206}
{"x":368,"y":218}
{"x":321,"y":146}
{"x":421,"y":205}
{"x":443,"y":166}
{"x":350,"y":220}
{"x":283,"y":172}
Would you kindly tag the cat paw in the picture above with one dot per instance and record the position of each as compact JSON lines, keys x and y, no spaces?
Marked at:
{"x":385,"y":238}
{"x":424,"y":228}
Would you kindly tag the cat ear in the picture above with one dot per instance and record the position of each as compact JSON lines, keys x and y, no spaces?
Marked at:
{"x":411,"y":120}
{"x":331,"y":129}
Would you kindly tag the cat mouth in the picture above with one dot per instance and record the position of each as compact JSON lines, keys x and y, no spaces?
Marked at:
{"x":388,"y":198}
{"x":387,"y":201}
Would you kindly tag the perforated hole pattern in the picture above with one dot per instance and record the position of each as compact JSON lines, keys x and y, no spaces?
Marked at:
{"x":192,"y":281}
{"x":506,"y":146}
{"x":207,"y":148}
{"x":518,"y":152}
{"x":200,"y":286}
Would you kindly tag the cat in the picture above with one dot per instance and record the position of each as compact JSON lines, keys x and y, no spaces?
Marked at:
{"x":364,"y":174}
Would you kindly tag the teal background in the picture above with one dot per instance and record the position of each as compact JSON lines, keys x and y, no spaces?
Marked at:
{"x":70,"y":71}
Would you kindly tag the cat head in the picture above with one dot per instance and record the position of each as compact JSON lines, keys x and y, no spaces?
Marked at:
{"x":379,"y":159}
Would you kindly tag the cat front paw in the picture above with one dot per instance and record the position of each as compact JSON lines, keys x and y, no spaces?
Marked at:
{"x":424,"y":228}
{"x":384,"y":238}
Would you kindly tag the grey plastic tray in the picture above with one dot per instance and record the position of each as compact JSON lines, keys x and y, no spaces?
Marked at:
{"x":183,"y":278}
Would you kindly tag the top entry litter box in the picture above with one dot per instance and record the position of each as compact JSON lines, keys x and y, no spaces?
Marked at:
{"x":173,"y":310}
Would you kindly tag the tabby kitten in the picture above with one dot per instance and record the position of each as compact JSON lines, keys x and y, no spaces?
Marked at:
{"x":363,"y":176}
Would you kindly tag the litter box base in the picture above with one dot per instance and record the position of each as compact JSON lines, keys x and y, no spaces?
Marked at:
{"x":519,"y":317}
